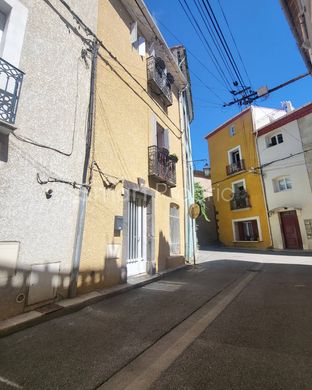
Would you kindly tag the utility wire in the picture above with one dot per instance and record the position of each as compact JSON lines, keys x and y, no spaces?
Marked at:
{"x":190,"y":16}
{"x":234,"y":41}
{"x":223,"y":41}
{"x":190,"y":52}
{"x":204,"y":18}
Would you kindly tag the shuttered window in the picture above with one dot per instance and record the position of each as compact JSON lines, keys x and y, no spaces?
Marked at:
{"x":246,"y":230}
{"x":174,"y":230}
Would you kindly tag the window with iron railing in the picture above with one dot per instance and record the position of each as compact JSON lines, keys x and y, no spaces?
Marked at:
{"x":240,"y":200}
{"x":11,"y":79}
{"x":159,"y":80}
{"x":161,"y":167}
{"x":235,"y":167}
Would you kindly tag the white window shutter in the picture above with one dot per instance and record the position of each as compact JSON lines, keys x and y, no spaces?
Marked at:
{"x":142,"y":47}
{"x":153,"y":137}
{"x":134,"y":32}
{"x":166,"y":139}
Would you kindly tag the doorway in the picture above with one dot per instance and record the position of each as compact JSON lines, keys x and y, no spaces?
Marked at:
{"x":137,"y":234}
{"x":291,"y":230}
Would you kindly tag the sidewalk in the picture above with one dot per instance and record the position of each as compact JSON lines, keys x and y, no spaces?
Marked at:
{"x":66,"y":306}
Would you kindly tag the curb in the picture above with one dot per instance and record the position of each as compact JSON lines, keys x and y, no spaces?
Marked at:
{"x":71,"y":305}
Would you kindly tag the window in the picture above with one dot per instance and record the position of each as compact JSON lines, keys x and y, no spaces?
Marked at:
{"x":3,"y":20}
{"x":246,"y":230}
{"x":162,"y":137}
{"x":238,"y":186}
{"x":174,"y":230}
{"x":275,"y":140}
{"x":282,"y":184}
{"x":232,"y":131}
{"x":235,"y":157}
{"x":138,"y":42}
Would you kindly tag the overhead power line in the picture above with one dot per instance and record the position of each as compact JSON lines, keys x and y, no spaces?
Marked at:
{"x":190,"y":16}
{"x":264,"y":92}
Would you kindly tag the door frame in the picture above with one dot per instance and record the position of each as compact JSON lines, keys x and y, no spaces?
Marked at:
{"x":149,"y":195}
{"x":282,"y":228}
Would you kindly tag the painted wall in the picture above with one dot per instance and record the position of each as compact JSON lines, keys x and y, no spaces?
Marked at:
{"x":126,"y":114}
{"x":36,"y":233}
{"x":220,"y":142}
{"x":299,"y":197}
{"x":305,"y":126}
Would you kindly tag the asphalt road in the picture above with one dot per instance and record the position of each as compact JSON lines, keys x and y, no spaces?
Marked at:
{"x":261,"y":340}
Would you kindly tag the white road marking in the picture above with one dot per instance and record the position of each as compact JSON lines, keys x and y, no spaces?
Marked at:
{"x":9,"y":383}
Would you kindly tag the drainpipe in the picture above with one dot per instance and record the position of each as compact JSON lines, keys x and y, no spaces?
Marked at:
{"x":187,"y":224}
{"x":83,"y":195}
{"x":184,"y":164}
{"x":264,"y":190}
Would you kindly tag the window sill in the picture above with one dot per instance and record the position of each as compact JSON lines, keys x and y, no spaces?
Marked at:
{"x":243,"y":209}
{"x":236,"y":173}
{"x":6,"y":128}
{"x":248,"y":241}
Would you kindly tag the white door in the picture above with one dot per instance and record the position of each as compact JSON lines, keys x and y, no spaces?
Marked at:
{"x":136,"y":262}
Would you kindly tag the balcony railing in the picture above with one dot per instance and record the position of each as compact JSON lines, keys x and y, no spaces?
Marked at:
{"x":160,"y":167}
{"x":240,"y":200}
{"x":11,"y":80}
{"x":235,"y":167}
{"x":158,"y":81}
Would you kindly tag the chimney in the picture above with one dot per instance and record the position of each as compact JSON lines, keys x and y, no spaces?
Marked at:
{"x":287,"y":106}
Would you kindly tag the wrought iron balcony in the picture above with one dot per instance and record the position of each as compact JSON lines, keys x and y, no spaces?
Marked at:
{"x":160,"y":167}
{"x":158,"y":81}
{"x":235,"y":167}
{"x":240,"y":200}
{"x":11,"y":80}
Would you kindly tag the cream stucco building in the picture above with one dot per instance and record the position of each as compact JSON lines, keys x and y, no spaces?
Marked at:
{"x":282,"y":154}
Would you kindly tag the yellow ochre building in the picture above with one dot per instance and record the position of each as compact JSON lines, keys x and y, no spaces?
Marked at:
{"x":135,"y":209}
{"x":236,"y":181}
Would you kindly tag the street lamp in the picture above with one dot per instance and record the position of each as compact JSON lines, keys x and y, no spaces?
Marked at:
{"x":206,"y":170}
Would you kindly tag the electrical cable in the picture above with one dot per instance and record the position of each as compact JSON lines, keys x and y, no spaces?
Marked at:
{"x":240,"y":57}
{"x":205,"y":43}
{"x":203,"y":15}
{"x":223,"y":41}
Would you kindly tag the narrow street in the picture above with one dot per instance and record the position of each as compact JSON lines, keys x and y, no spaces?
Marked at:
{"x":238,"y":320}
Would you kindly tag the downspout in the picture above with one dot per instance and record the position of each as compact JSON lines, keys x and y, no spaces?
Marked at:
{"x":84,"y":190}
{"x":263,"y":184}
{"x":184,"y":166}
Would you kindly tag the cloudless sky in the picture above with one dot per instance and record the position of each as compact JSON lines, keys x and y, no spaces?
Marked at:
{"x":266,"y":45}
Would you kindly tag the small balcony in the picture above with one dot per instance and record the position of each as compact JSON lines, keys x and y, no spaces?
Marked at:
{"x":235,"y":167}
{"x":160,"y":167}
{"x":11,"y":80}
{"x":240,"y":200}
{"x":157,"y":79}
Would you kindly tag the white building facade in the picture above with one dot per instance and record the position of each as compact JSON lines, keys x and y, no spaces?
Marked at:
{"x":45,"y":76}
{"x":286,"y":179}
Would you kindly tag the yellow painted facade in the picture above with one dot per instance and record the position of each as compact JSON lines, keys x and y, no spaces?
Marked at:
{"x":126,"y":113}
{"x":238,"y":134}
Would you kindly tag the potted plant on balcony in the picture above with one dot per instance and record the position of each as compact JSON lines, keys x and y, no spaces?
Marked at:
{"x":173,"y":157}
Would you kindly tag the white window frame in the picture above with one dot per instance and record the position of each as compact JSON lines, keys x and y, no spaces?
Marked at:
{"x":178,"y":238}
{"x":276,"y":181}
{"x":274,"y":135}
{"x":257,"y":218}
{"x":13,"y":37}
{"x":233,"y":150}
{"x":239,"y":181}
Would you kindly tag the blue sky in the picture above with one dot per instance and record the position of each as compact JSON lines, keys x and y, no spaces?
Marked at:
{"x":265,"y":43}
